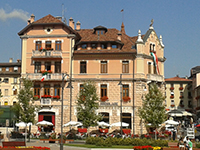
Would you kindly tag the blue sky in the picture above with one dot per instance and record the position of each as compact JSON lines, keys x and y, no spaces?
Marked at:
{"x":177,"y":21}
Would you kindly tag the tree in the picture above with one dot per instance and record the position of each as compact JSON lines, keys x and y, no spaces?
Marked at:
{"x":87,"y":104}
{"x":25,"y":109}
{"x":153,"y":107}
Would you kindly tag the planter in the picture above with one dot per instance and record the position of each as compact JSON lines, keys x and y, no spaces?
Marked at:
{"x":104,"y":98}
{"x":172,"y":105}
{"x":181,"y":88}
{"x":56,"y":97}
{"x":46,"y":96}
{"x":126,"y":99}
{"x":126,"y":131}
{"x":171,"y":96}
{"x":171,"y":88}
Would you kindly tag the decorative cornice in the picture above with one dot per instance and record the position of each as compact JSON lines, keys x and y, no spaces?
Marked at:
{"x":48,"y":36}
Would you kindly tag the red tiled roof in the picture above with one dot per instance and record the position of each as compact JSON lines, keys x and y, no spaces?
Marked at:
{"x":48,"y":19}
{"x":88,"y":35}
{"x":177,"y":79}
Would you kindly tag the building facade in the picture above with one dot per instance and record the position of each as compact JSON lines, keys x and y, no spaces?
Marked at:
{"x":106,"y":56}
{"x":178,"y":93}
{"x":10,"y":74}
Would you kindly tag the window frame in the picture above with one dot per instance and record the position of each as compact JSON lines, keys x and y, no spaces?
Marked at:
{"x":57,"y":67}
{"x":37,"y":67}
{"x":104,"y":67}
{"x":47,"y":89}
{"x":104,"y":90}
{"x":125,"y":66}
{"x":125,"y":90}
{"x":83,"y":67}
{"x":37,"y":89}
{"x":58,"y":45}
{"x":48,"y":45}
{"x":38,"y":45}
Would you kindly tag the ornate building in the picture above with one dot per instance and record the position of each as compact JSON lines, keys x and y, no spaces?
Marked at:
{"x":106,"y":56}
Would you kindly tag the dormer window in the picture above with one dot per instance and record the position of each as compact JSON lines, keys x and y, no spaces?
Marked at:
{"x":84,"y":46}
{"x":114,"y":46}
{"x":94,"y":46}
{"x":103,"y":46}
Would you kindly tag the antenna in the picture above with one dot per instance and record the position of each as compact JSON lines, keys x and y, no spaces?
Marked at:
{"x":63,"y":14}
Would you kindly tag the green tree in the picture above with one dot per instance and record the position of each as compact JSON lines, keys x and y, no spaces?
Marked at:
{"x":153,"y":107}
{"x":25,"y":109}
{"x":87,"y":105}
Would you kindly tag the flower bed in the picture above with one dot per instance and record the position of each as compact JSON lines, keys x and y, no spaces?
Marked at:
{"x":46,"y":96}
{"x":24,"y":148}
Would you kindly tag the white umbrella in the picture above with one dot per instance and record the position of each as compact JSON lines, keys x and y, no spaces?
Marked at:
{"x":186,"y":113}
{"x":172,"y":122}
{"x":118,"y":124}
{"x":103,"y":124}
{"x":44,"y":123}
{"x":72,"y":123}
{"x":23,"y":124}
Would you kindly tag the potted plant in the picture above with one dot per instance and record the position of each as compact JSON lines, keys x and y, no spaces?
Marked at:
{"x":172,"y":105}
{"x":104,"y":98}
{"x":56,"y":97}
{"x":52,"y":136}
{"x":36,"y":97}
{"x":126,"y":98}
{"x":181,"y":88}
{"x":172,"y":96}
{"x":171,"y":88}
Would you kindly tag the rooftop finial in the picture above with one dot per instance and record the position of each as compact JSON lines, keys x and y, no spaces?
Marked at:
{"x":139,"y":37}
{"x":151,"y":25}
{"x":161,"y":41}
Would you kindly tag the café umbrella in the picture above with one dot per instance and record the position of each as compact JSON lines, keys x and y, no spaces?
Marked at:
{"x":118,"y":124}
{"x":44,"y":123}
{"x":72,"y":123}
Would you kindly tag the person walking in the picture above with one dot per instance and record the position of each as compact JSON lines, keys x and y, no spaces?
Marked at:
{"x":189,"y":145}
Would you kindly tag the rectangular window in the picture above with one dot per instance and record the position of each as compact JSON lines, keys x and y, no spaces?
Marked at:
{"x":125,"y":90}
{"x":81,"y":87}
{"x":6,"y":92}
{"x":103,"y":46}
{"x":48,"y":45}
{"x":83,"y":67}
{"x":104,"y":67}
{"x":94,"y":46}
{"x":7,"y":68}
{"x":149,"y":67}
{"x":46,"y":89}
{"x":6,"y":80}
{"x":125,"y":66}
{"x":114,"y":46}
{"x":58,"y":45}
{"x":47,"y":66}
{"x":38,"y":45}
{"x":15,"y":92}
{"x":37,"y":67}
{"x":37,"y":90}
{"x":56,"y":90}
{"x":15,"y":69}
{"x":103,"y":90}
{"x":57,"y":67}
{"x":84,"y":46}
{"x":0,"y":69}
{"x":15,"y":80}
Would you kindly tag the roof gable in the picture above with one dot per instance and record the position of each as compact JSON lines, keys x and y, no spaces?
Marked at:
{"x":48,"y":19}
{"x":177,"y":79}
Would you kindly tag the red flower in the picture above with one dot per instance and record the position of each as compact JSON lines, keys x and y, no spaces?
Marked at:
{"x":172,"y":105}
{"x":171,"y":88}
{"x":104,"y":98}
{"x":126,"y":98}
{"x":46,"y":96}
{"x":56,"y":97}
{"x":181,"y":88}
{"x":172,"y":96}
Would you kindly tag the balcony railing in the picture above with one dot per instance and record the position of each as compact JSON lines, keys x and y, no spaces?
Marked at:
{"x":43,"y":54}
{"x":49,"y":77}
{"x":45,"y":101}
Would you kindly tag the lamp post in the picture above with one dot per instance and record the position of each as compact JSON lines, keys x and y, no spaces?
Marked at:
{"x":61,"y":125}
{"x":120,"y":84}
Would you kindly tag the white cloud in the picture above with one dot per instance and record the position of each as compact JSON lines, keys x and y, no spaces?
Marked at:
{"x":16,"y":13}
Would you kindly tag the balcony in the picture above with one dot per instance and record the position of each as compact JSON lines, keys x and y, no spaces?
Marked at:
{"x":49,"y":77}
{"x":45,"y":102}
{"x":155,"y":77}
{"x":46,"y":54}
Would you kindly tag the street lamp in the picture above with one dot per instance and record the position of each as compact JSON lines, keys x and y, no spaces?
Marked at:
{"x":120,"y":84}
{"x":68,"y":86}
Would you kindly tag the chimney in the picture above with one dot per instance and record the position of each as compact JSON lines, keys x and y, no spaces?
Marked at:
{"x":31,"y":20}
{"x":71,"y":23}
{"x":10,"y":60}
{"x":119,"y":37}
{"x":59,"y":18}
{"x":122,"y":28}
{"x":78,"y":26}
{"x":18,"y":60}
